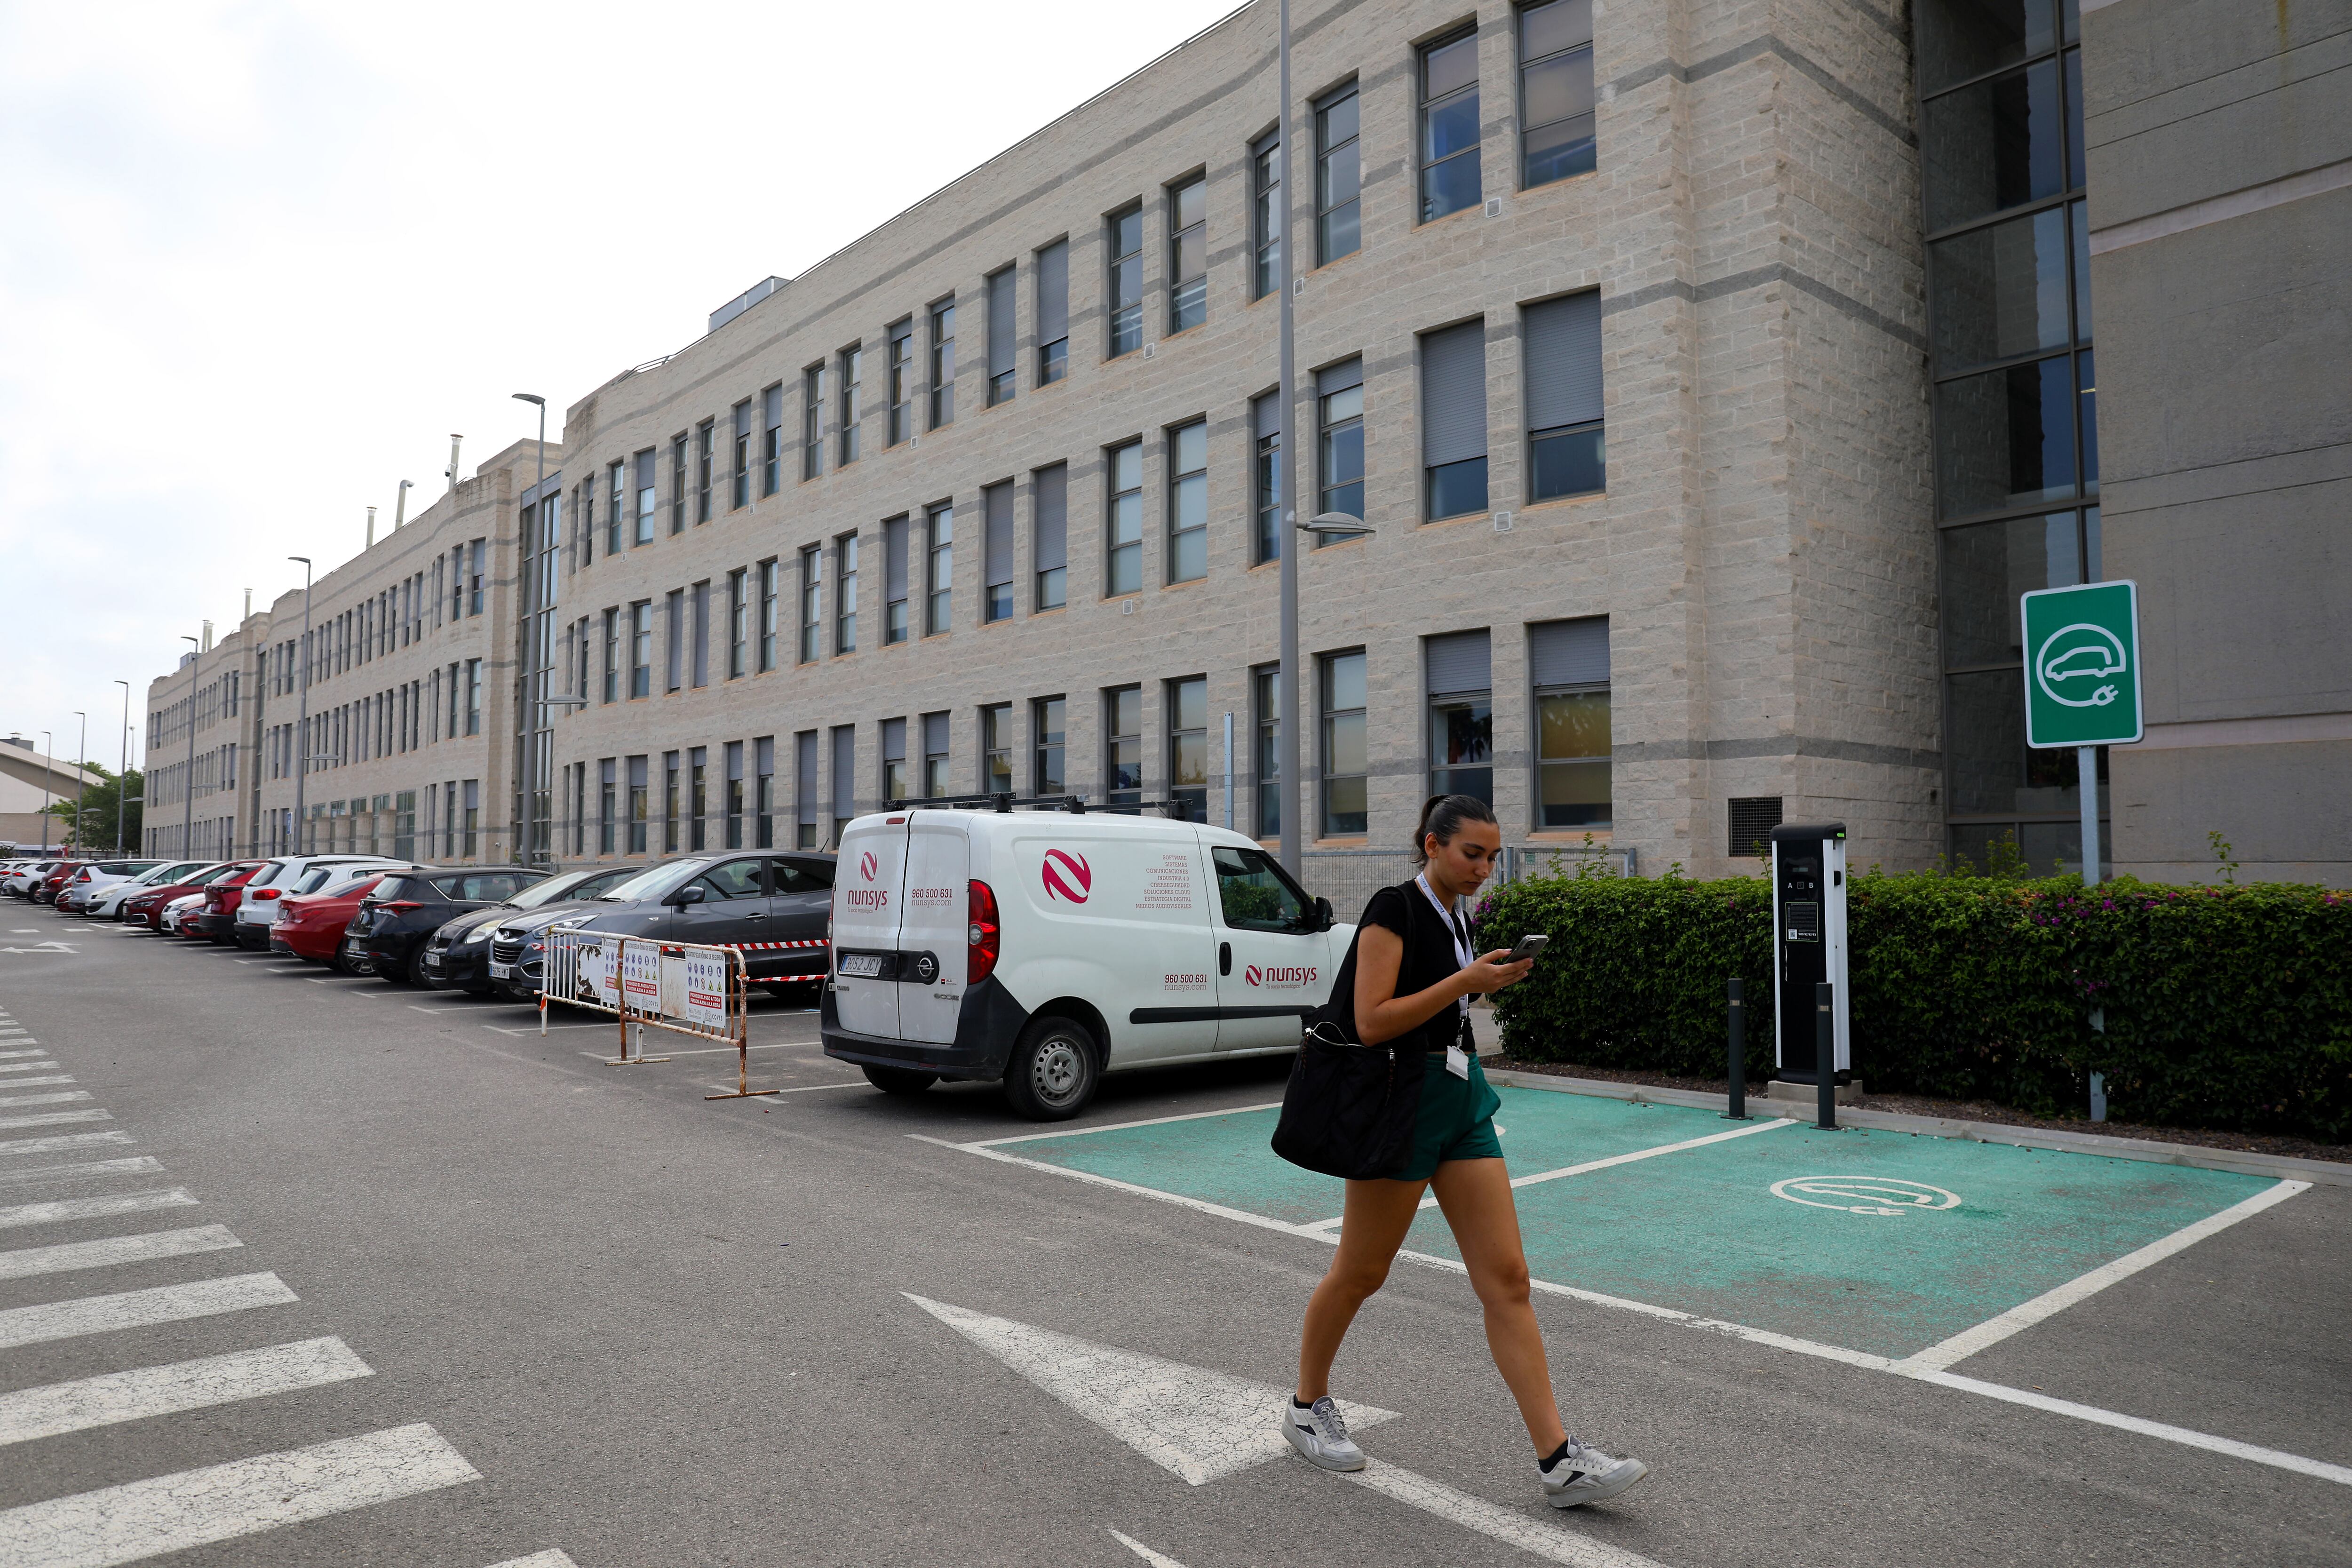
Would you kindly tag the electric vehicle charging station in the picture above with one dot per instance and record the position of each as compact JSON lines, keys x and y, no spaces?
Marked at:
{"x":1809,"y":946}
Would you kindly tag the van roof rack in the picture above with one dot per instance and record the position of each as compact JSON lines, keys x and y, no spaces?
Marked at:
{"x":1003,"y":801}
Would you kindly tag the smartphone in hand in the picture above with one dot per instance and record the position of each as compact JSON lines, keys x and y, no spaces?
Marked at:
{"x":1530,"y":945}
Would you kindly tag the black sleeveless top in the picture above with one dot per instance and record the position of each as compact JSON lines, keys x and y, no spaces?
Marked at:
{"x":1429,"y":960}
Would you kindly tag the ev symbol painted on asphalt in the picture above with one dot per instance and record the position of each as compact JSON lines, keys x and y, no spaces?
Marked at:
{"x":1885,"y":1196}
{"x":2082,"y":669}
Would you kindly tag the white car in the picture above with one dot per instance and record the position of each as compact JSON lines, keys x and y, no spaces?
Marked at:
{"x":171,"y":919}
{"x":1048,"y":947}
{"x":257,"y":909}
{"x":87,"y":883}
{"x":21,"y":877}
{"x":107,"y":902}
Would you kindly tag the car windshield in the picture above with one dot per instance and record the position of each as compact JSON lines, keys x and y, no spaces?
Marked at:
{"x":316,"y":878}
{"x":548,"y":892}
{"x":655,"y":881}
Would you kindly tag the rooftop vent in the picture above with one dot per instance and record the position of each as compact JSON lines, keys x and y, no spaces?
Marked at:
{"x":745,"y":301}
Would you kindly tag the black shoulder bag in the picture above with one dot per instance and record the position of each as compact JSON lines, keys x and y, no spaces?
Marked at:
{"x":1350,"y":1107}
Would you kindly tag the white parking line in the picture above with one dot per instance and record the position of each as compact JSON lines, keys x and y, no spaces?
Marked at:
{"x":1538,"y":1539}
{"x":106,"y":1207}
{"x":139,"y":1309}
{"x":1119,"y":1126}
{"x":148,"y":1390}
{"x":538,"y":1560}
{"x":1157,"y":1559}
{"x":87,"y":1171}
{"x":66,"y":1257}
{"x":716,"y":1051}
{"x":225,"y":1503}
{"x":47,"y":1119}
{"x":804,"y":1089}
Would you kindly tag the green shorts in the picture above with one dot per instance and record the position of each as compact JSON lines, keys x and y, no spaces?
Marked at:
{"x":1456,"y":1120}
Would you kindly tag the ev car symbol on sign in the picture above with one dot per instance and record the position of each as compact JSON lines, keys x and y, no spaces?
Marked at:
{"x":2082,"y":669}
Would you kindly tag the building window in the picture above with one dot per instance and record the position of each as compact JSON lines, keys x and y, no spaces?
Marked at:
{"x":844,"y":594}
{"x":740,"y":494}
{"x":1567,"y":665}
{"x":616,"y":508}
{"x":1188,"y":254}
{"x":473,"y":697}
{"x":1003,"y":343}
{"x":852,"y":373}
{"x":1048,"y":746}
{"x":1050,"y":542}
{"x":1555,"y":90}
{"x":901,"y":361}
{"x":670,"y":793}
{"x":698,"y":670}
{"x":895,"y":623}
{"x":1266,"y":718}
{"x":613,"y":655}
{"x":732,"y":806}
{"x":996,"y":749}
{"x":1053,"y":312}
{"x":1339,"y":178}
{"x":845,"y":778}
{"x":1460,"y":680}
{"x":1188,"y":746}
{"x":645,"y":532}
{"x":1561,"y":343}
{"x":638,"y":805}
{"x":813,"y":422}
{"x":764,"y":792}
{"x":996,"y":552}
{"x":894,"y":759}
{"x":812,"y":604}
{"x":805,"y":831}
{"x":705,"y":442}
{"x":587,"y":529}
{"x":641,"y":648}
{"x":939,"y":577}
{"x":608,"y":805}
{"x":936,"y":785}
{"x":943,"y":363}
{"x":1449,"y":126}
{"x":480,"y":552}
{"x":678,"y":482}
{"x":1125,"y":282}
{"x":1265,"y":217}
{"x":1345,"y":808}
{"x":1188,"y":502}
{"x":1454,"y":421}
{"x":1339,"y":420}
{"x":772,"y":447}
{"x":473,"y":819}
{"x":770,"y":588}
{"x":1123,"y":745}
{"x":697,"y":801}
{"x":1123,"y":521}
{"x":674,"y":634}
{"x":1265,"y":478}
{"x":739,"y":623}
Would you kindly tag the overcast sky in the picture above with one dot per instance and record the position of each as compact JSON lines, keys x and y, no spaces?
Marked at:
{"x":258,"y":259}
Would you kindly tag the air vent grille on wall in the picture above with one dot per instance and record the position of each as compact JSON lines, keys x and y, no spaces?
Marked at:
{"x":1753,"y":819}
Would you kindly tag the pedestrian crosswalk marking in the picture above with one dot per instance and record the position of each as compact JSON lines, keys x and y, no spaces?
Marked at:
{"x":87,"y":1170}
{"x":47,"y":1119}
{"x":149,"y":1391}
{"x":55,"y":1095}
{"x":37,"y":1082}
{"x":94,"y":1208}
{"x":24,"y":1066}
{"x":538,"y":1560}
{"x":65,"y":1257}
{"x":226,"y":1502}
{"x":11,"y":1056}
{"x":139,"y":1309}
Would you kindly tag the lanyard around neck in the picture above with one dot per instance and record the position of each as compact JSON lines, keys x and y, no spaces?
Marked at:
{"x":1462,"y":955}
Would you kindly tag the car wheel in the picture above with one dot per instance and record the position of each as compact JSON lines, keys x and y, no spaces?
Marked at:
{"x":1054,"y":1070}
{"x":418,"y":975}
{"x":898,"y":1080}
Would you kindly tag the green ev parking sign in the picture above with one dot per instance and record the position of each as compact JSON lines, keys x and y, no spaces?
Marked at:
{"x":2081,"y":666}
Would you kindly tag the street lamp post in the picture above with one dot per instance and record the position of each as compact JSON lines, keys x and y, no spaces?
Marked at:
{"x":188,"y":784}
{"x":303,"y":711}
{"x":1287,"y":697}
{"x":46,"y":744}
{"x":122,"y":779}
{"x":530,"y":714}
{"x":81,"y":778}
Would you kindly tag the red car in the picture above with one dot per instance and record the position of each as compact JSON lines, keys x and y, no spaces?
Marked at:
{"x":143,"y":910}
{"x":311,"y":924}
{"x":45,"y":892}
{"x":215,"y":923}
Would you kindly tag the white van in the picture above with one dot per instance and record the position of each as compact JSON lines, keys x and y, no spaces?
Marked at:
{"x":1048,"y":947}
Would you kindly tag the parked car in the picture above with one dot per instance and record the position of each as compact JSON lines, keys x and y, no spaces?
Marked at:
{"x":45,"y":890}
{"x":772,"y":906}
{"x":221,"y":896}
{"x":177,"y":916}
{"x":399,"y":917}
{"x":75,"y":895}
{"x":20,"y":881}
{"x":519,"y":932}
{"x":146,"y":909}
{"x":285,"y":875}
{"x":310,"y":925}
{"x":106,"y":903}
{"x":1046,"y":948}
{"x":456,"y":956}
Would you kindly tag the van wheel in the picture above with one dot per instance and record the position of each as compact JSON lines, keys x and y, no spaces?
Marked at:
{"x":898,"y":1080}
{"x":1054,"y":1070}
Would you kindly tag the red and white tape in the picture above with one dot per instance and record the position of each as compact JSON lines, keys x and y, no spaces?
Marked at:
{"x":772,"y":946}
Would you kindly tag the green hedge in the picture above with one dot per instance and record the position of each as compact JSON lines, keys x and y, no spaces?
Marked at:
{"x":2225,"y":1006}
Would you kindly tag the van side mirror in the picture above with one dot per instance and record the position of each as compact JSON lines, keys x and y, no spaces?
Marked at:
{"x":692,"y":894}
{"x":1323,"y":912}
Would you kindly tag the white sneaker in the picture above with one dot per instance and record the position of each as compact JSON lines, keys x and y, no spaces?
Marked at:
{"x":1321,"y":1435}
{"x":1585,"y":1475}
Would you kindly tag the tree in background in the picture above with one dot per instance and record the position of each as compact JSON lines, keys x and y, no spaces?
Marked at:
{"x":97,"y":811}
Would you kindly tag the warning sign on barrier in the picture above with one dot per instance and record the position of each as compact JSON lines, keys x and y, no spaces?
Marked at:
{"x":682,"y":987}
{"x":706,"y":990}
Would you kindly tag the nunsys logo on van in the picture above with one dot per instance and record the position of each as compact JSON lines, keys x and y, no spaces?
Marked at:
{"x":1066,"y":877}
{"x":1290,"y":978}
{"x":867,"y":865}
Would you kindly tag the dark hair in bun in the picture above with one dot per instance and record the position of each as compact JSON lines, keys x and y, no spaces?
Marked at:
{"x":1444,"y":814}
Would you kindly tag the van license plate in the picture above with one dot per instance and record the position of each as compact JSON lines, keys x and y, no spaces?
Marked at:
{"x":865,"y":965}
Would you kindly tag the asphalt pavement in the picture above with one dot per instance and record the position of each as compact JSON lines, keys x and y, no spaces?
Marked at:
{"x":395,"y":1278}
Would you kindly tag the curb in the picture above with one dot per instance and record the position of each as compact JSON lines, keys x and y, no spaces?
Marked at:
{"x":2324,"y":1173}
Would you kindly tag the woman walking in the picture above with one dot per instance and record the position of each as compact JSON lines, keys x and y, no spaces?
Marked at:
{"x":1406,"y":981}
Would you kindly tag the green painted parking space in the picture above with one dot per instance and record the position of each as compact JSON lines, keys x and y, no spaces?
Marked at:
{"x":1225,"y":1159}
{"x":1876,"y":1241}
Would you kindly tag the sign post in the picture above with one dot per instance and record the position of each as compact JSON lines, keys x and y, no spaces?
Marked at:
{"x":2081,"y":690}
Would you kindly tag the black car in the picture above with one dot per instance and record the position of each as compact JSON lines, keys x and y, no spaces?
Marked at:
{"x":772,"y":906}
{"x":394,"y":921}
{"x":458,"y":954}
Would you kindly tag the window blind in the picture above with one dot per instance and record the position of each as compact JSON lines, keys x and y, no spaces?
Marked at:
{"x":1454,"y":394}
{"x":1054,"y":291}
{"x":804,"y":776}
{"x":845,"y":772}
{"x":1000,"y":323}
{"x":1570,"y":653}
{"x":1462,"y":662}
{"x":996,"y":524}
{"x":935,"y":734}
{"x":1051,"y":500}
{"x":894,"y":560}
{"x":1563,"y":360}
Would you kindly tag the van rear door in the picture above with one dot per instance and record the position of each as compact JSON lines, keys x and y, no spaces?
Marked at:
{"x":868,"y":901}
{"x":934,"y":934}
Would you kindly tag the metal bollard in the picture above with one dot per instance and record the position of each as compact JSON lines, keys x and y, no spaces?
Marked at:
{"x":1736,"y":1048}
{"x":1824,"y":1059}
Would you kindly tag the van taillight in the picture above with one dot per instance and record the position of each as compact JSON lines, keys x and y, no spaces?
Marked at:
{"x":981,"y":963}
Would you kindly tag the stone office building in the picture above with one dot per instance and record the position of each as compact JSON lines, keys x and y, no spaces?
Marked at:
{"x":1712,"y":381}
